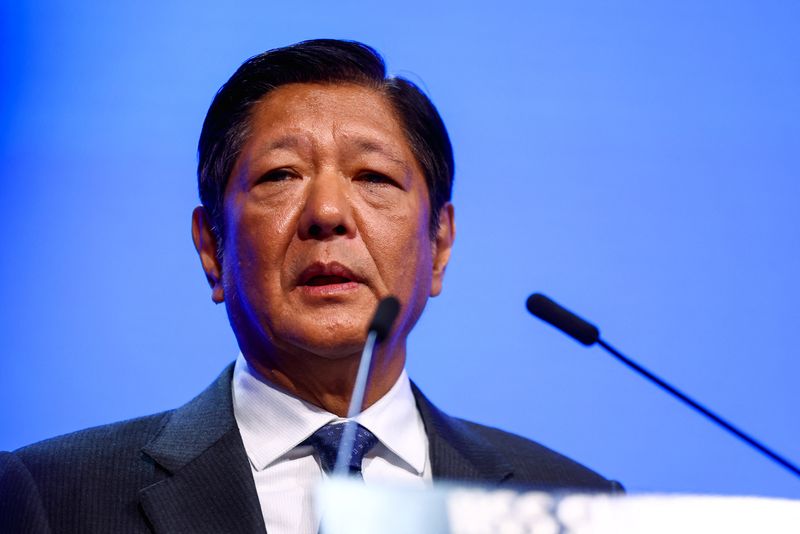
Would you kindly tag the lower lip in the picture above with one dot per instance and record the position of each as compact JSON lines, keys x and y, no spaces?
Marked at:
{"x":330,"y":289}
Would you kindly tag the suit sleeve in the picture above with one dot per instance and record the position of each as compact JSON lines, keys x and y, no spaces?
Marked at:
{"x":21,"y":508}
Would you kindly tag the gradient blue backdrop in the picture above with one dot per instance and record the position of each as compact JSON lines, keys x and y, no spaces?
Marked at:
{"x":638,"y":161}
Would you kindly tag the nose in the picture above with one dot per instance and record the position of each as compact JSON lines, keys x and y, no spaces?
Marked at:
{"x":327,"y":211}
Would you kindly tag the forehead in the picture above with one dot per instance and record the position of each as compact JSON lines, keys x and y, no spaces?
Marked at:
{"x":297,"y":113}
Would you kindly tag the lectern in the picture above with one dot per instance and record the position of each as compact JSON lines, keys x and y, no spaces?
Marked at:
{"x":350,"y":507}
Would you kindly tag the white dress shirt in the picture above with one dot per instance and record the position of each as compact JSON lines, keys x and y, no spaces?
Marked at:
{"x":273,"y":423}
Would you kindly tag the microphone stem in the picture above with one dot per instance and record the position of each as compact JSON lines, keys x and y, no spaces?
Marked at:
{"x":702,"y":409}
{"x":356,"y":401}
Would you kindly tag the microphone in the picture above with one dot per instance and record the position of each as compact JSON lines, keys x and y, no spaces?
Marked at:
{"x":563,"y":319}
{"x":588,"y":334}
{"x":385,"y":315}
{"x":378,"y":330}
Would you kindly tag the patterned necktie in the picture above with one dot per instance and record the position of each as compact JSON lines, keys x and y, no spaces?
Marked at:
{"x":326,"y":443}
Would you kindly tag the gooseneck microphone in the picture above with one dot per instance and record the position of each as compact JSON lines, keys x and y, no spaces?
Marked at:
{"x":588,"y":334}
{"x":379,"y":328}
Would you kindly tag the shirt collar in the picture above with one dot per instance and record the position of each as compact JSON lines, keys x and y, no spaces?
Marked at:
{"x":272,"y":422}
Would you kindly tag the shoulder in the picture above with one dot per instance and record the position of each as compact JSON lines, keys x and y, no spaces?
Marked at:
{"x":111,"y":443}
{"x":60,"y":480}
{"x":20,"y":504}
{"x":536,"y":464}
{"x":103,"y":463}
{"x":470,"y":452}
{"x":90,"y":480}
{"x":120,"y":449}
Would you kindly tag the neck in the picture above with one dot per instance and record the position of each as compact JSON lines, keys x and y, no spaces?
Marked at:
{"x":328,"y":382}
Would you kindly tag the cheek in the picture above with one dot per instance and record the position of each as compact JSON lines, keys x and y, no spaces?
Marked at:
{"x":411,"y":274}
{"x":400,"y":246}
{"x":257,"y":238}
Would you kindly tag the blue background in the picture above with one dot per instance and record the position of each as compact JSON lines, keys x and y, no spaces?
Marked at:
{"x":637,"y":161}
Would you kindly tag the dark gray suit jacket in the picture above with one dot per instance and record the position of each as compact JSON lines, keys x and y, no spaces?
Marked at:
{"x":186,"y":470}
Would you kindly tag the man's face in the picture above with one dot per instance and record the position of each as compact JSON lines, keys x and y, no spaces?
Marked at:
{"x":326,"y":212}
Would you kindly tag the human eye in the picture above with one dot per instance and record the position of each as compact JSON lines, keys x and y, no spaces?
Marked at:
{"x":277,"y":175}
{"x":377,"y":178}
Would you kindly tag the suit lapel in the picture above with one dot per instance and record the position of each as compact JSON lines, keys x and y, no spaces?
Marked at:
{"x":209,"y":486}
{"x":457,"y":452}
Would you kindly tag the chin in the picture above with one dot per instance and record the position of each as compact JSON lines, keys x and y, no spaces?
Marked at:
{"x":336,"y":353}
{"x":293,"y":335}
{"x":332,"y":342}
{"x":339,"y":344}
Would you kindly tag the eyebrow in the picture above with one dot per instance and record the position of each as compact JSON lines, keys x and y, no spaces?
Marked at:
{"x":371,"y":146}
{"x":285,"y":141}
{"x":363,"y":144}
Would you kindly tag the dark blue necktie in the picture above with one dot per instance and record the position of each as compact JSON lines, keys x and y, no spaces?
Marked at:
{"x":326,"y":443}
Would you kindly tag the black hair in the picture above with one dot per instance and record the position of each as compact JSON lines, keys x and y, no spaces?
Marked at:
{"x":226,"y":126}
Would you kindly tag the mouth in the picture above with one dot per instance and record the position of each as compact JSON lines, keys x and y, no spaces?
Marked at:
{"x":323,"y":280}
{"x":328,"y":278}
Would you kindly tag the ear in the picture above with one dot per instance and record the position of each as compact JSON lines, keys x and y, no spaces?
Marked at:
{"x":442,"y":245}
{"x":206,"y":244}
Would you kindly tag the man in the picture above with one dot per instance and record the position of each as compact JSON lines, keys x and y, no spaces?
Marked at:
{"x":325,"y":187}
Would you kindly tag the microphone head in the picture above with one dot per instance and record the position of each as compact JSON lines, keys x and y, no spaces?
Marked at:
{"x":563,"y":319}
{"x":385,"y":315}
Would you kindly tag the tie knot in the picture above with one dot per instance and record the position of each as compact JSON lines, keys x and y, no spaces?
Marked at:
{"x":326,"y":443}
